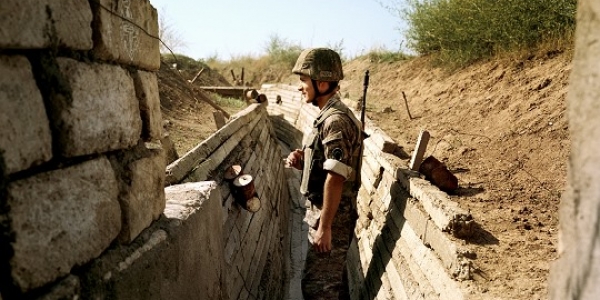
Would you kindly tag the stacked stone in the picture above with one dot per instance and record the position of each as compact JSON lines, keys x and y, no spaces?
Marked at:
{"x":81,"y":166}
{"x":284,"y":112}
{"x":255,"y":245}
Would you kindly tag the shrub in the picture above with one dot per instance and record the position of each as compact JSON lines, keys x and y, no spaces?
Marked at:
{"x":281,"y":52}
{"x":461,"y":31}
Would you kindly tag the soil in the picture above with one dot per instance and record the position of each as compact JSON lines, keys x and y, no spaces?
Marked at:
{"x":500,"y":126}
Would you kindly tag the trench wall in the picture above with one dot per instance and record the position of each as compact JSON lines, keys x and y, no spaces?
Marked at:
{"x":404,"y":245}
{"x":254,"y":246}
{"x":84,"y":211}
{"x":80,"y":126}
{"x":576,"y":273}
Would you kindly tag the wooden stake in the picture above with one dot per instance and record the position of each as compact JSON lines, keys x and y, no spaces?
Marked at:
{"x":197,"y":75}
{"x":420,"y":147}
{"x":219,"y":119}
{"x":406,"y":103}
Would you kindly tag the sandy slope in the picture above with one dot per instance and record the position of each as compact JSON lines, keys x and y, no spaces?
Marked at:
{"x":501,"y":128}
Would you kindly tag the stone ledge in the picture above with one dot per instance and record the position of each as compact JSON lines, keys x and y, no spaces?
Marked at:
{"x":445,"y":213}
{"x":177,"y":257}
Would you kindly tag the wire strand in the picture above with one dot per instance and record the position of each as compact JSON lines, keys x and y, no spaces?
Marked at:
{"x":136,"y":25}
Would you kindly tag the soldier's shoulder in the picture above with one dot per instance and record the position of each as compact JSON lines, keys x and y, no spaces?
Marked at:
{"x":339,"y":121}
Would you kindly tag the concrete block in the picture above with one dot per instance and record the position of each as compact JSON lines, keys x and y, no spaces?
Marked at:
{"x":428,"y":263}
{"x":177,"y":257}
{"x":25,"y":137}
{"x":444,"y":211}
{"x":61,"y":219}
{"x":127,"y":34}
{"x":143,"y":200}
{"x":35,"y":24}
{"x":103,"y":113}
{"x":146,"y":88}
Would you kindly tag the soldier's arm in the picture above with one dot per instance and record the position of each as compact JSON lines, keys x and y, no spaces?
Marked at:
{"x":332,"y":195}
{"x":337,"y":159}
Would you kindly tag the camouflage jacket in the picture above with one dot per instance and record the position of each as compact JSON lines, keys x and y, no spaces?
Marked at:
{"x":332,"y":146}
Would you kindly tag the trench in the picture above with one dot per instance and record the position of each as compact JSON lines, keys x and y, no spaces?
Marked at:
{"x":407,"y":242}
{"x":404,"y":247}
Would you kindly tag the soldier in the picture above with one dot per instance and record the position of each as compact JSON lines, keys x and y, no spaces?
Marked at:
{"x":328,"y":159}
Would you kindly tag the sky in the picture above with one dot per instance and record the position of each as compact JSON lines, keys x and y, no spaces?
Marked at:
{"x":227,"y":29}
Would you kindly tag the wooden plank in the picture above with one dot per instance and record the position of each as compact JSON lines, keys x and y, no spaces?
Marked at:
{"x":180,"y":168}
{"x":420,"y":147}
{"x":203,"y":170}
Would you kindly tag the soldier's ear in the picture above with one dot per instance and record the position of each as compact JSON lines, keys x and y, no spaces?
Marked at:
{"x":323,"y":86}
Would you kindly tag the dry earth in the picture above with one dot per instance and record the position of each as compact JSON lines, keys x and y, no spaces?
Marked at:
{"x":500,"y":126}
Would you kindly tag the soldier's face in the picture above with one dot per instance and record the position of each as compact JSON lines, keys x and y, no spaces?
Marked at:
{"x":306,"y":88}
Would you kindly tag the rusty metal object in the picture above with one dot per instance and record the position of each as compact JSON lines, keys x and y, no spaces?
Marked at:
{"x":251,"y":94}
{"x":246,"y":193}
{"x":436,"y":172}
{"x":232,"y":172}
{"x":262,"y":98}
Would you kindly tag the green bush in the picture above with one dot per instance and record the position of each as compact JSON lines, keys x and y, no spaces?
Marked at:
{"x":461,"y":31}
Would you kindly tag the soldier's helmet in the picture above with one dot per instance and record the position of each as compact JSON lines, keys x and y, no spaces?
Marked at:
{"x":321,"y":64}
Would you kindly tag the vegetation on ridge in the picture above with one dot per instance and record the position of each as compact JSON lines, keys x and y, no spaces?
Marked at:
{"x":458,"y":32}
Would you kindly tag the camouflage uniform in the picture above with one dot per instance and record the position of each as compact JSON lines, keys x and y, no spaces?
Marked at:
{"x":334,"y":147}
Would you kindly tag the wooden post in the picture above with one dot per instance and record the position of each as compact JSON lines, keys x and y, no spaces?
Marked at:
{"x":219,"y":119}
{"x":242,"y":77}
{"x":420,"y":147}
{"x":197,"y":75}
{"x":233,"y":75}
{"x":406,"y":104}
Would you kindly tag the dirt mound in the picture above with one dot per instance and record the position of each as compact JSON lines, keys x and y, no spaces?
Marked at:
{"x":499,"y":126}
{"x":184,"y":106}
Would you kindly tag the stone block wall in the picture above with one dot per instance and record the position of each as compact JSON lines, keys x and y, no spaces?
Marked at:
{"x":80,"y":119}
{"x":255,"y":252}
{"x":404,"y":246}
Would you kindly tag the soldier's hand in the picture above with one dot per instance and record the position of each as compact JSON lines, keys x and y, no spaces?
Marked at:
{"x":322,"y":240}
{"x":294,"y":159}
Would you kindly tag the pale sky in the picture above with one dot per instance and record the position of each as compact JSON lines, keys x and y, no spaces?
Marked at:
{"x":232,"y":28}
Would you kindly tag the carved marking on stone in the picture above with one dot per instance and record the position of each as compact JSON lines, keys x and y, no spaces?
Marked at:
{"x":131,"y":34}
